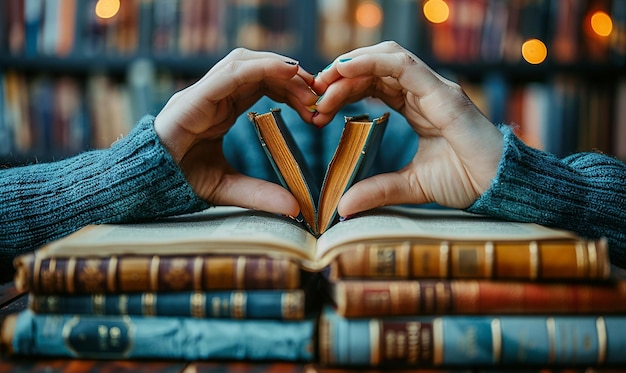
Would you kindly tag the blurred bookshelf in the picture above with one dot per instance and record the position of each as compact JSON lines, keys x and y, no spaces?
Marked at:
{"x":76,"y":74}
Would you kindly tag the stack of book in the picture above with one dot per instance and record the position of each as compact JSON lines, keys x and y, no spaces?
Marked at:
{"x":153,"y":291}
{"x":408,"y":287}
{"x":461,"y":291}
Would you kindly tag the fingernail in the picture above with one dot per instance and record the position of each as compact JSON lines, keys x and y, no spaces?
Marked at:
{"x":291,"y":62}
{"x":312,"y":108}
{"x":345,"y":59}
{"x":328,"y":66}
{"x":319,"y":99}
{"x":344,"y":218}
{"x":316,"y":114}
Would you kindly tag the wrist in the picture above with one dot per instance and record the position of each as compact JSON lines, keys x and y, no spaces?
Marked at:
{"x":176,"y":140}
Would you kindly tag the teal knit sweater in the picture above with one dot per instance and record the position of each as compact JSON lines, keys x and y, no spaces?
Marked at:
{"x":136,"y":179}
{"x":584,"y":193}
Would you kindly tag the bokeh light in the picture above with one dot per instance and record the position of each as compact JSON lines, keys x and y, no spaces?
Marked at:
{"x":436,"y":11}
{"x":369,"y":15}
{"x":107,"y":8}
{"x":601,"y":23}
{"x":534,"y":51}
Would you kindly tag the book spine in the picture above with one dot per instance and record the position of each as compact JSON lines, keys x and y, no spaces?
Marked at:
{"x":472,"y":340}
{"x":127,"y":274}
{"x":535,"y":260}
{"x":356,"y":298}
{"x":126,"y":337}
{"x":258,"y":304}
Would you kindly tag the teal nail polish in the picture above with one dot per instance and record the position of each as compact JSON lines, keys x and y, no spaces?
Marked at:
{"x":319,"y":99}
{"x":327,"y":66}
{"x":345,"y":59}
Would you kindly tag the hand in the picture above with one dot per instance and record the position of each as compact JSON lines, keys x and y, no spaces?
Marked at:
{"x":459,"y":148}
{"x":194,"y":121}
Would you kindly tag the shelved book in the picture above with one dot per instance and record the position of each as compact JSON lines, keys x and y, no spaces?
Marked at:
{"x":395,"y":241}
{"x":478,"y":341}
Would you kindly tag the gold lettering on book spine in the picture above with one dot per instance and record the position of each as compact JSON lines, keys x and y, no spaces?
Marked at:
{"x":198,"y":300}
{"x":292,"y":305}
{"x":148,"y":304}
{"x":98,"y":304}
{"x":413,"y":343}
{"x":176,"y":276}
{"x":123,"y":304}
{"x":90,"y":276}
{"x":238,"y":300}
{"x":602,"y":339}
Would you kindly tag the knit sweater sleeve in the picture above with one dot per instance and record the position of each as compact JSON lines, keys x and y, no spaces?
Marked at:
{"x":584,"y":193}
{"x":134,"y":179}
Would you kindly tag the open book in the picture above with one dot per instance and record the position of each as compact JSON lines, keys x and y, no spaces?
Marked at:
{"x":351,"y":162}
{"x":450,"y":241}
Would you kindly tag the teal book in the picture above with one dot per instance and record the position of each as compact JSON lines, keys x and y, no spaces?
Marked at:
{"x":181,"y":338}
{"x":352,"y":161}
{"x":458,"y":340}
{"x":252,"y":304}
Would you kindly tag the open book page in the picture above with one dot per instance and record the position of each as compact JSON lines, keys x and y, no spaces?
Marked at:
{"x":218,"y":230}
{"x":417,"y":223}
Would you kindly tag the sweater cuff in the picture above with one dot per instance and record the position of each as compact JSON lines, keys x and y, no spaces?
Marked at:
{"x":145,"y":179}
{"x":532,"y":186}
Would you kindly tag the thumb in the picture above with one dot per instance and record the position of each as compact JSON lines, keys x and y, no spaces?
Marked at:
{"x":248,"y":192}
{"x":379,"y":190}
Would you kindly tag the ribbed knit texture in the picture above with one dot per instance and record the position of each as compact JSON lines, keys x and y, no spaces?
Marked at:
{"x":134,"y":179}
{"x":584,"y":193}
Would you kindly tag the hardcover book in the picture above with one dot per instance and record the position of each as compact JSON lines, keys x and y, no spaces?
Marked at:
{"x":351,"y":162}
{"x":430,"y":242}
{"x":226,"y":304}
{"x":136,"y":337}
{"x":377,"y":298}
{"x":466,"y":341}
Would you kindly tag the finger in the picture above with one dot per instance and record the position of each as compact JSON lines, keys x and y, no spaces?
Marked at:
{"x":279,"y":92}
{"x":379,"y":190}
{"x":229,"y":76}
{"x":346,"y":91}
{"x":244,"y":191}
{"x":329,"y":74}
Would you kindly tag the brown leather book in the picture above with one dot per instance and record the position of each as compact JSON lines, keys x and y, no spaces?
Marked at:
{"x":373,"y":298}
{"x":230,"y":247}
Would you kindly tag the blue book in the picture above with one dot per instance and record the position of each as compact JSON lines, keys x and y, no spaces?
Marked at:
{"x":472,"y":340}
{"x":184,"y":338}
{"x":253,"y":304}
